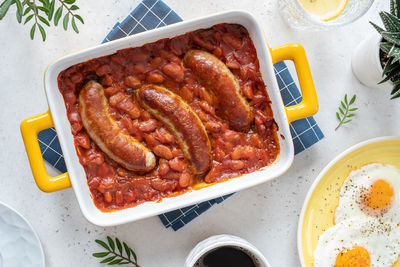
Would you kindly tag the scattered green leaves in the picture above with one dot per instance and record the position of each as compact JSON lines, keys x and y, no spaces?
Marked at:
{"x":125,"y":254}
{"x":345,"y":112}
{"x":390,"y":45}
{"x":42,"y":11}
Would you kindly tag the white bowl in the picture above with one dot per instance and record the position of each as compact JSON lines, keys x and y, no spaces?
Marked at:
{"x":221,"y":241}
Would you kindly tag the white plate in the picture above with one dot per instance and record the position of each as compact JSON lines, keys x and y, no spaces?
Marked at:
{"x":19,"y":243}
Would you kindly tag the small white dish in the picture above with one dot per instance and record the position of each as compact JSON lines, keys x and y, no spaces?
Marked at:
{"x":216,"y":241}
{"x":19,"y":244}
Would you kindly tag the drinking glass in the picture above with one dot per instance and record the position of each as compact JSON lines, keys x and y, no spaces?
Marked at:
{"x":298,"y":18}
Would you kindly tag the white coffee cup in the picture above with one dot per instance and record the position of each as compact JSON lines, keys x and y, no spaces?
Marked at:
{"x":217,"y":241}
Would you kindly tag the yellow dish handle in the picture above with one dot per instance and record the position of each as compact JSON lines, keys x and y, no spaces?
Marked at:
{"x":309,"y":104}
{"x":30,"y":128}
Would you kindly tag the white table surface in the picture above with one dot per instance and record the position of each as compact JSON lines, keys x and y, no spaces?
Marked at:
{"x":266,"y":215}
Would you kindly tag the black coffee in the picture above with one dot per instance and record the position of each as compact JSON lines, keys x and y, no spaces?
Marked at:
{"x":226,"y":257}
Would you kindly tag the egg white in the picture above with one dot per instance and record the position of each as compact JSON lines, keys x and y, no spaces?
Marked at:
{"x":381,"y":240}
{"x":359,"y":181}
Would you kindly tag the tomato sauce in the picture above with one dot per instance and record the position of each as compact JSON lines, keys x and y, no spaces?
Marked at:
{"x":234,"y":153}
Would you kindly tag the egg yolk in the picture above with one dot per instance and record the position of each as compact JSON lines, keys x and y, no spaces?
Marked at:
{"x":378,"y":197}
{"x":353,"y":257}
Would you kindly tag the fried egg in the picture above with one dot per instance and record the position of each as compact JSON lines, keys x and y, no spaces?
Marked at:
{"x":372,"y":191}
{"x":360,"y":242}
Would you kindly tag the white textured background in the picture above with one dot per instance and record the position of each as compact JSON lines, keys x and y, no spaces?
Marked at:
{"x":267,"y":215}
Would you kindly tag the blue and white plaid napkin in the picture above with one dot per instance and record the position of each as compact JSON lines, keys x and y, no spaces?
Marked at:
{"x":152,"y":14}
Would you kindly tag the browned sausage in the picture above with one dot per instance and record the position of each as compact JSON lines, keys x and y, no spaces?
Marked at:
{"x":182,"y":121}
{"x":216,"y":77}
{"x":105,"y":132}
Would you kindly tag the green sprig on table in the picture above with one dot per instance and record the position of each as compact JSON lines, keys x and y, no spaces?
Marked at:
{"x":124,"y":255}
{"x":345,"y":112}
{"x":42,"y":12}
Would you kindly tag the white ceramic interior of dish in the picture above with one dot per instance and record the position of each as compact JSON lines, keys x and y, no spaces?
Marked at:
{"x":75,"y":169}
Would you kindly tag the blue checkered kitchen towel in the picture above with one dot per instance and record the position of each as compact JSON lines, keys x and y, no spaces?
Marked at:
{"x":152,"y":14}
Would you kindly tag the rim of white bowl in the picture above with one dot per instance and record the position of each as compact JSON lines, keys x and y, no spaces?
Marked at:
{"x":31,"y":227}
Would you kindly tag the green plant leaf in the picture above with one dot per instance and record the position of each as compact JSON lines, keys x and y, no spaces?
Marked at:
{"x":119,"y":245}
{"x":394,"y":51}
{"x":42,"y":19}
{"x":395,"y":89}
{"x":393,"y":37}
{"x":18,"y":16}
{"x":103,"y":244}
{"x":379,"y":29}
{"x":108,"y":259}
{"x":111,"y":243}
{"x":395,"y":96}
{"x":74,"y":25}
{"x":385,"y":46}
{"x":74,"y":7}
{"x":28,"y":18}
{"x":32,"y":33}
{"x":338,"y":116}
{"x":352,"y":100}
{"x":345,"y":99}
{"x":127,"y":250}
{"x":58,"y":15}
{"x":394,"y":8}
{"x":19,"y":10}
{"x":347,"y":121}
{"x":100,"y":254}
{"x":133,"y":254}
{"x":42,"y":32}
{"x":392,"y":23}
{"x":123,"y":263}
{"x":353,"y":109}
{"x":397,"y":7}
{"x":79,"y":18}
{"x":4,"y":7}
{"x":69,"y":2}
{"x":51,"y":10}
{"x":343,"y":105}
{"x":341,"y":111}
{"x":44,"y":9}
{"x":391,"y":74}
{"x":388,"y":67}
{"x":115,"y":262}
{"x":65,"y":21}
{"x":350,"y":115}
{"x":27,"y":10}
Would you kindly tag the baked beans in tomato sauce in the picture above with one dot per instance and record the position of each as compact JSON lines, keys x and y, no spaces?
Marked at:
{"x":234,"y":153}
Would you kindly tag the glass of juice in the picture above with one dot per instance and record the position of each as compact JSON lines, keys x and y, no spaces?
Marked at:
{"x":317,"y":15}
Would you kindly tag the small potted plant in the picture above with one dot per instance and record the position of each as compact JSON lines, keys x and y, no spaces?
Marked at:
{"x":376,"y":61}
